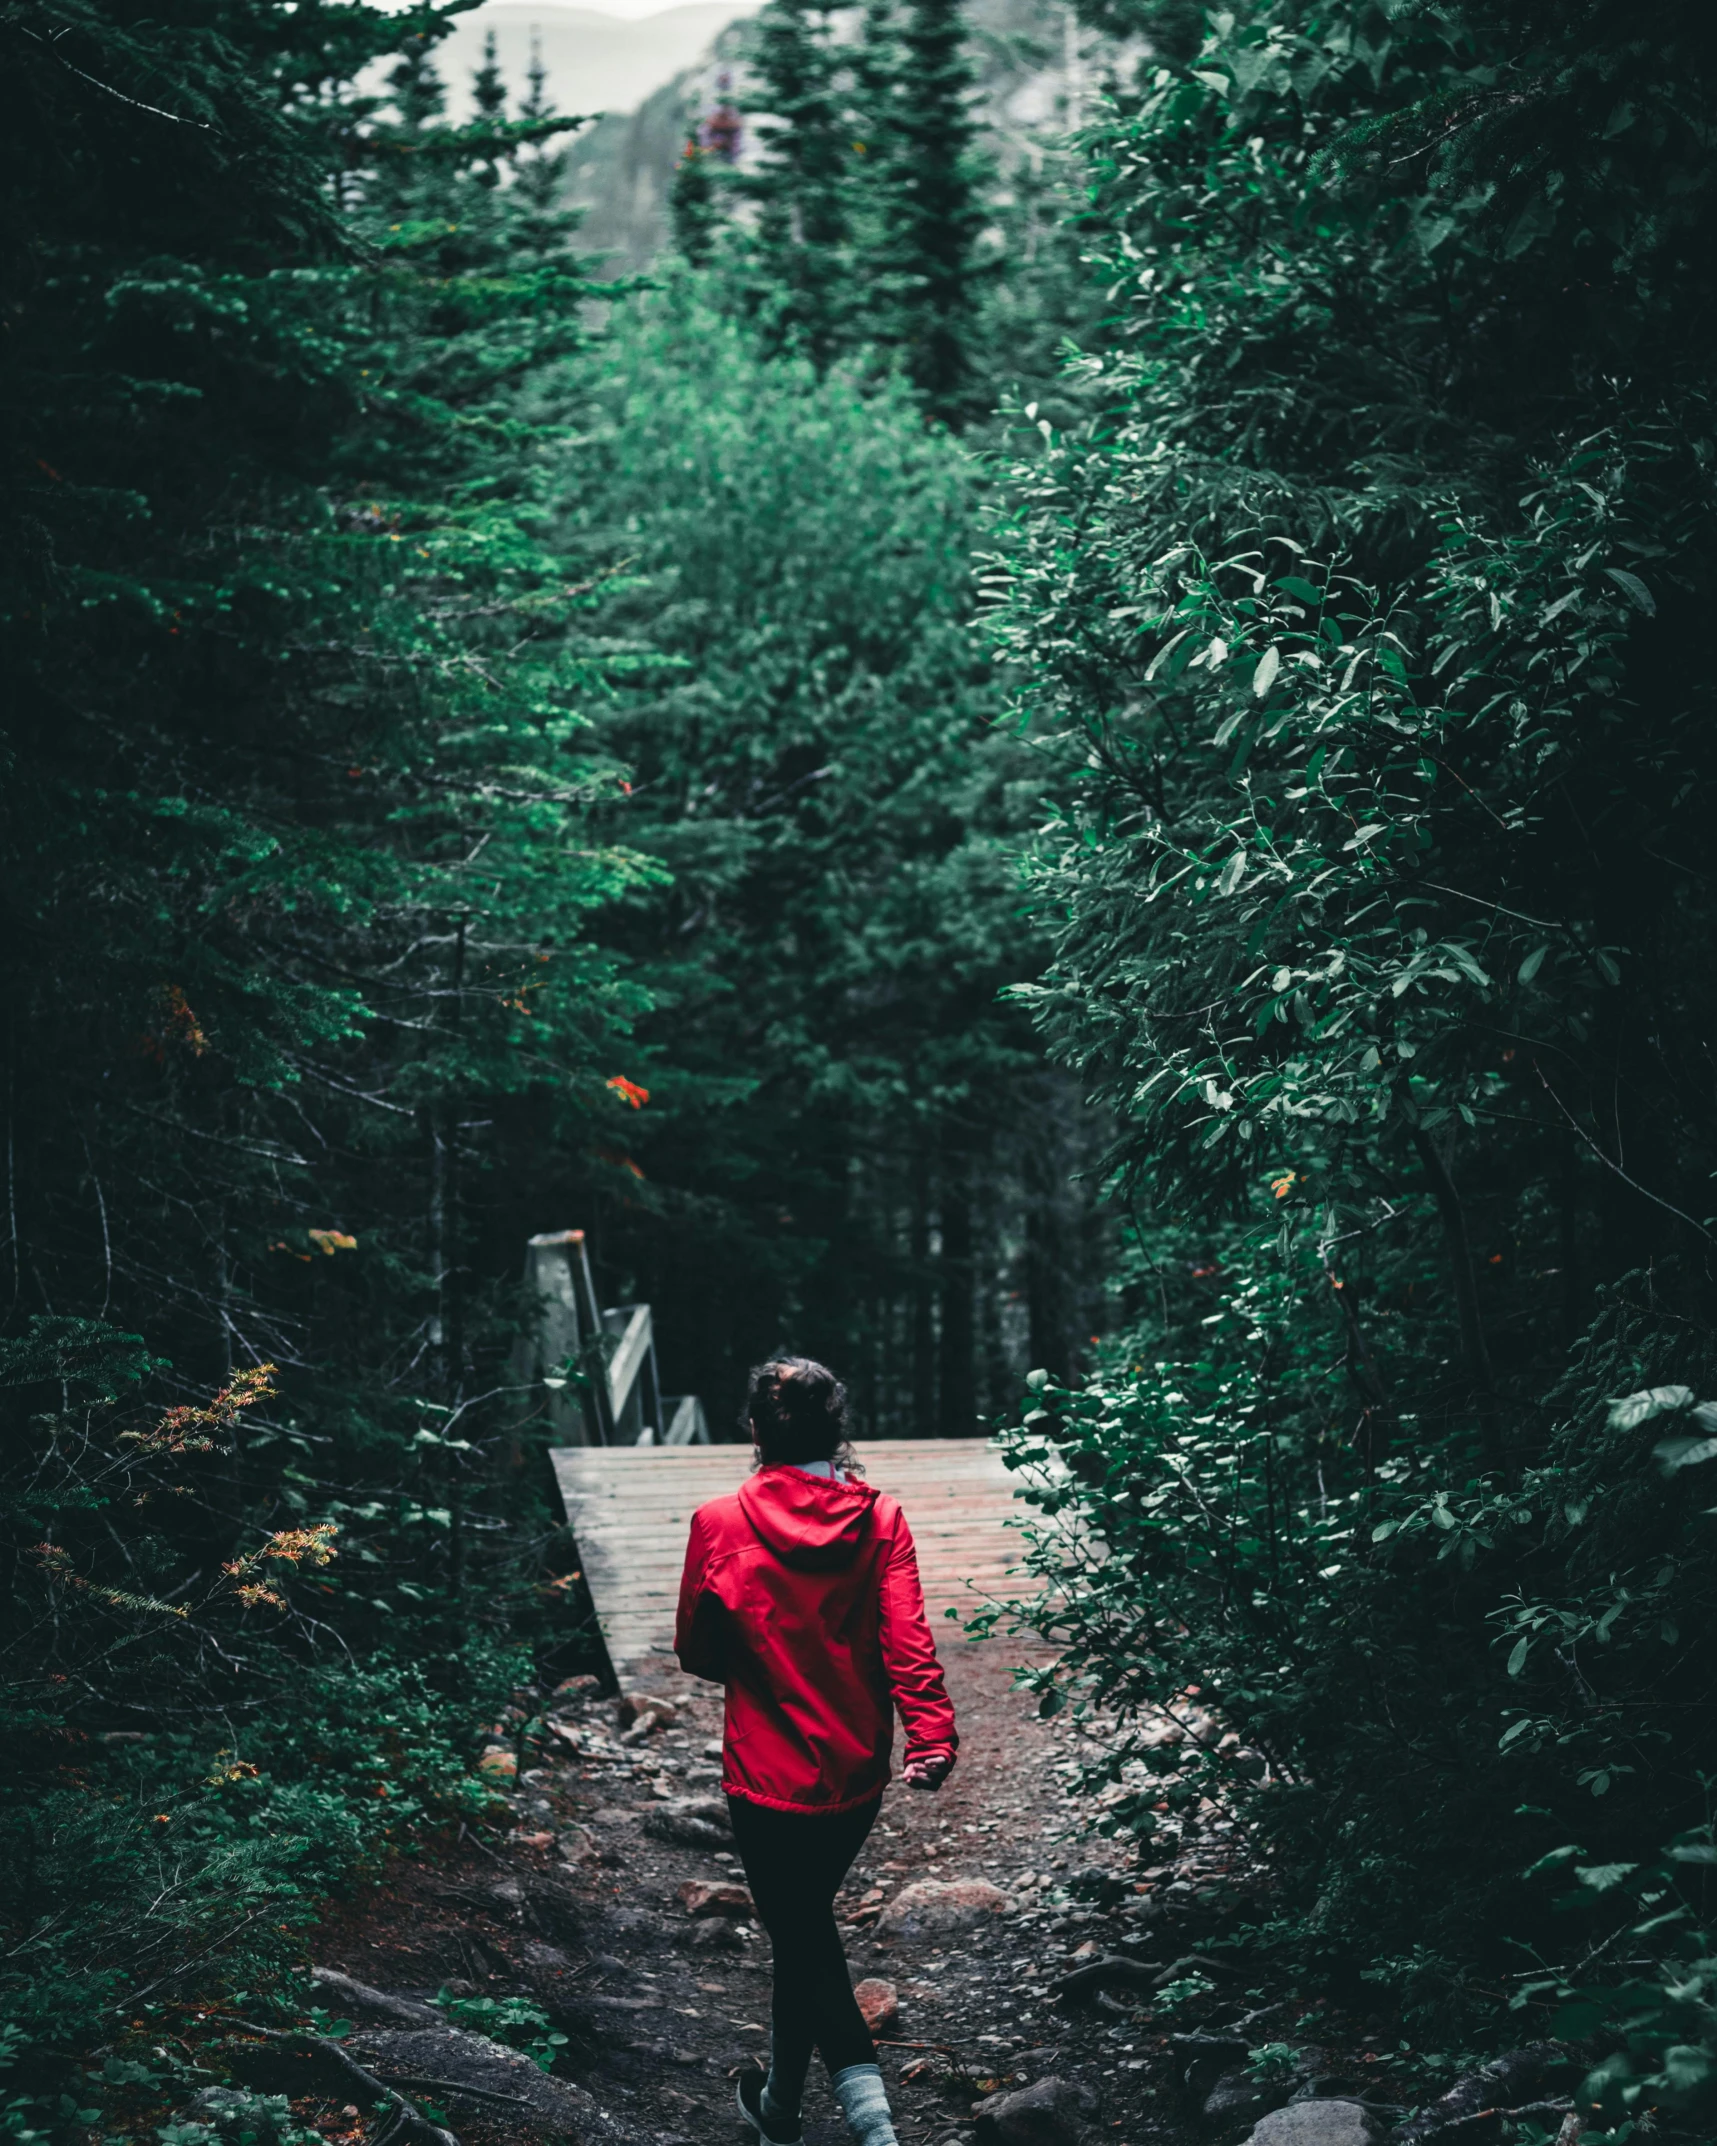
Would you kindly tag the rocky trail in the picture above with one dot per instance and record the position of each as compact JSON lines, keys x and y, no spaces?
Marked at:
{"x":1028,"y":1986}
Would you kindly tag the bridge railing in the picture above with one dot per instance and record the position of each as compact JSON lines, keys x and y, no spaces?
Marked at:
{"x":595,"y":1366}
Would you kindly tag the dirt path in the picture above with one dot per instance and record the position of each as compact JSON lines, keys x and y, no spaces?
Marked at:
{"x":581,"y":1911}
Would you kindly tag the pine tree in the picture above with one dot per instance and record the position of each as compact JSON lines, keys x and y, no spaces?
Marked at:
{"x":799,"y":262}
{"x":295,"y":878}
{"x":489,"y":97}
{"x":932,"y":206}
{"x":419,"y":95}
{"x":544,"y":223}
{"x":692,"y":204}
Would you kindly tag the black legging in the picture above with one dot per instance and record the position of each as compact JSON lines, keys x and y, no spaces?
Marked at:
{"x":794,"y":1863}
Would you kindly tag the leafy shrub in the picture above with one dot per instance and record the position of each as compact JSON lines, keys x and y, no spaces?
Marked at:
{"x":514,"y":2020}
{"x":119,"y":1876}
{"x":1445,"y":1675}
{"x":1368,"y":612}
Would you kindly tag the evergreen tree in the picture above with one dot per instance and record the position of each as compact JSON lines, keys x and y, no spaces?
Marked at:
{"x":837,"y":1100}
{"x":692,"y":204}
{"x":870,"y":195}
{"x":296,"y":879}
{"x":417,"y":92}
{"x":489,"y":98}
{"x":933,"y":212}
{"x":798,"y":262}
{"x":543,"y":225}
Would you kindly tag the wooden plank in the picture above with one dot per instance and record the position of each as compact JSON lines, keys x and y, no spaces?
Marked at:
{"x":630,"y":1508}
{"x":628,"y":1359}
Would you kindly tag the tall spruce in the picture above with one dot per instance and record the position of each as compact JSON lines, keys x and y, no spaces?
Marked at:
{"x":932,"y":207}
{"x":694,"y":213}
{"x":798,"y":262}
{"x":543,"y":225}
{"x":489,"y":102}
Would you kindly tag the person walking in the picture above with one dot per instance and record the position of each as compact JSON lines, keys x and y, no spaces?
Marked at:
{"x":801,"y":1596}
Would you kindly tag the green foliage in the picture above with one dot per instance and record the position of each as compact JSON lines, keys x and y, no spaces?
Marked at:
{"x":1370,"y":608}
{"x":514,"y":2020}
{"x":814,"y":758}
{"x":798,"y":266}
{"x":866,"y":201}
{"x":297,"y":879}
{"x":1645,"y":1987}
{"x":1421,"y":1683}
{"x":244,"y":2118}
{"x":931,"y":208}
{"x":126,"y":1866}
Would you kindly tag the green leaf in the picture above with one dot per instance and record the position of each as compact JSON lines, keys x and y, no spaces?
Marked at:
{"x":1687,"y":2067}
{"x":1297,"y":585}
{"x":1517,"y":1657}
{"x":1633,"y":1409}
{"x":1674,"y":1454}
{"x":1604,"y":1877}
{"x":1634,"y":589}
{"x":1534,"y":961}
{"x":1264,"y":677}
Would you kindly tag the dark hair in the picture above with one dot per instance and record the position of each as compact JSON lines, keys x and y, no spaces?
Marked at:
{"x":796,"y":1410}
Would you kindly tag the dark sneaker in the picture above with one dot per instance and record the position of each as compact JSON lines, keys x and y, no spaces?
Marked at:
{"x":749,"y":2095}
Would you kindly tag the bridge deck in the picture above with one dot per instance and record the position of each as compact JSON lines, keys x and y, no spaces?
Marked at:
{"x":629,"y":1508}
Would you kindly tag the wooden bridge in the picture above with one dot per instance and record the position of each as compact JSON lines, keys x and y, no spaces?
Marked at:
{"x":630,"y":1506}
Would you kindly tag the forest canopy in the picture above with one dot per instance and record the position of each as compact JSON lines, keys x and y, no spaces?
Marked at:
{"x":1074,"y":776}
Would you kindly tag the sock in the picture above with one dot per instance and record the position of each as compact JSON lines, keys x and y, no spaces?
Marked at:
{"x":864,"y":2104}
{"x":784,"y":2089}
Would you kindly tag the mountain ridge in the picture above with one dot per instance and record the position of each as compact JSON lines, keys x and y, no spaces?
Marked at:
{"x":597,"y":63}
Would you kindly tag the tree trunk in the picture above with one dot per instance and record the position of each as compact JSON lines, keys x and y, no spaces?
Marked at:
{"x":958,"y":1381}
{"x":1474,"y":1347}
{"x":1048,"y":1282}
{"x":1568,"y":1241}
{"x":923,"y":1312}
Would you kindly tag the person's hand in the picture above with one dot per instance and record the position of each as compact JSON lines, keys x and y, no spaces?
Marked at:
{"x":927,"y":1773}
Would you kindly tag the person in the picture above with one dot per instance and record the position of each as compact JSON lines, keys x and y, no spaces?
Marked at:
{"x":801,"y":1596}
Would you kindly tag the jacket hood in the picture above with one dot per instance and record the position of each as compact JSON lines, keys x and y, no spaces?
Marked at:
{"x":812,"y":1522}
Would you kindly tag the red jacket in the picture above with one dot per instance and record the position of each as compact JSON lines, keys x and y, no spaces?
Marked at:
{"x":801,"y":1595}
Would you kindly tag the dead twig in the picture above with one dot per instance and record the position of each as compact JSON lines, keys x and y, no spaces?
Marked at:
{"x":404,"y":2113}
